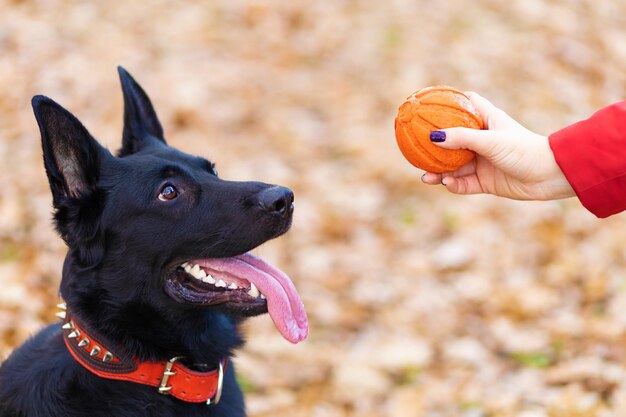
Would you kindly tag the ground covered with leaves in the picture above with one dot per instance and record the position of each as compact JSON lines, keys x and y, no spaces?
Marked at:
{"x":421,"y":303}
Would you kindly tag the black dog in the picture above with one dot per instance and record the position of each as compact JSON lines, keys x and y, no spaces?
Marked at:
{"x":156,"y":279}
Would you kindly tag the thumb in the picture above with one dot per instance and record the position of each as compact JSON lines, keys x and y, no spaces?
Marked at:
{"x":484,"y":142}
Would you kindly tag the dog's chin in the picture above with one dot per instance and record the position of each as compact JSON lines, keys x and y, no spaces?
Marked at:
{"x":238,"y":299}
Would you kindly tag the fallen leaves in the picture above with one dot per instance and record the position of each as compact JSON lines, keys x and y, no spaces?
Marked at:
{"x":421,"y":303}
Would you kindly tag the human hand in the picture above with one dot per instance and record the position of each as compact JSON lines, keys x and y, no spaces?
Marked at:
{"x":511,"y":161}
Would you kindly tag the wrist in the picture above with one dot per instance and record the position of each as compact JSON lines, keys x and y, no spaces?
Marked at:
{"x":555,"y":185}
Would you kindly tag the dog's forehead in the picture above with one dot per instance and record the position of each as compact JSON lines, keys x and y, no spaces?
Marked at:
{"x":156,"y":159}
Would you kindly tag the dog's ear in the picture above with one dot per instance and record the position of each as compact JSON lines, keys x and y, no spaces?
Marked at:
{"x":71,"y":155}
{"x":141,"y":125}
{"x":72,"y":158}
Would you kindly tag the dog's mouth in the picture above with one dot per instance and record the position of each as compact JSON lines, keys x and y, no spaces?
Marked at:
{"x":243,"y":283}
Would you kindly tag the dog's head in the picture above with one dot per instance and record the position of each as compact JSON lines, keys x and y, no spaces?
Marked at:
{"x":156,"y":227}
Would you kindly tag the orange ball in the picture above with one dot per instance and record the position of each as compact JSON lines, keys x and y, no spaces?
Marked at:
{"x":434,"y":108}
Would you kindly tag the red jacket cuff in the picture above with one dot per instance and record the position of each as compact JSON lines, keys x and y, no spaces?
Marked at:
{"x":592,"y":155}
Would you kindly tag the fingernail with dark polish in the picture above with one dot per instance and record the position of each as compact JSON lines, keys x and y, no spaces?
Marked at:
{"x":437,"y":136}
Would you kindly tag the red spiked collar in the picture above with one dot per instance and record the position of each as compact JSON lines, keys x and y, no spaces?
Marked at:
{"x":170,"y":377}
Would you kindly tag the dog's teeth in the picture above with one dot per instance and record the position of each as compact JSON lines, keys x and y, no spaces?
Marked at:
{"x":220,"y":283}
{"x":209,"y":278}
{"x":184,"y":264}
{"x":262,"y":296}
{"x":254,"y":291}
{"x":233,"y":286}
{"x":197,"y":272}
{"x":187,"y":268}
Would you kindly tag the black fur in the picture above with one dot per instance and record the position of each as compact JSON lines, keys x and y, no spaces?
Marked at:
{"x":122,"y":242}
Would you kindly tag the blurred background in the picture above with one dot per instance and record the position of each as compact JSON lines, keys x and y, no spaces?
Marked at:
{"x":421,"y":303}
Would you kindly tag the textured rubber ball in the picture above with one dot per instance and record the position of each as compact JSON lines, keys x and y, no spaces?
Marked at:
{"x":434,"y":108}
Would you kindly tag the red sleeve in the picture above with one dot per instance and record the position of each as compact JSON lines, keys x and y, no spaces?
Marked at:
{"x":592,"y":155}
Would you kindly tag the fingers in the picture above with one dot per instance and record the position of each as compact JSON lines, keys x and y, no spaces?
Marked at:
{"x":467,"y":184}
{"x":465,"y":138}
{"x":431,"y":178}
{"x":485,"y":107}
{"x":493,"y":117}
{"x":495,"y":146}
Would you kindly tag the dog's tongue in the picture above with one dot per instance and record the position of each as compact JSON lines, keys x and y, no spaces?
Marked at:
{"x":283,"y":302}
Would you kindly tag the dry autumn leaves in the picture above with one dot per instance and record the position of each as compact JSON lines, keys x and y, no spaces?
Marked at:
{"x":420,"y":303}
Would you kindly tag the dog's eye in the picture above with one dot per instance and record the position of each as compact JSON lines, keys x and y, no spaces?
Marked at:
{"x":168,"y":192}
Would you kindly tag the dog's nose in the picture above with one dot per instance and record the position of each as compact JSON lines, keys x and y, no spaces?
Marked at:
{"x":277,"y":200}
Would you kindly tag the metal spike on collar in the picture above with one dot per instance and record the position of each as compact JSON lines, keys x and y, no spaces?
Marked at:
{"x":62,"y":306}
{"x":95,"y":351}
{"x":73,"y":334}
{"x":84,"y":342}
{"x":61,"y":314}
{"x":108,"y":357}
{"x":68,"y":326}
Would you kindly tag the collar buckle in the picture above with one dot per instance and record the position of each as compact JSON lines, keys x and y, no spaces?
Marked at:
{"x":167,"y":373}
{"x":220,"y":385}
